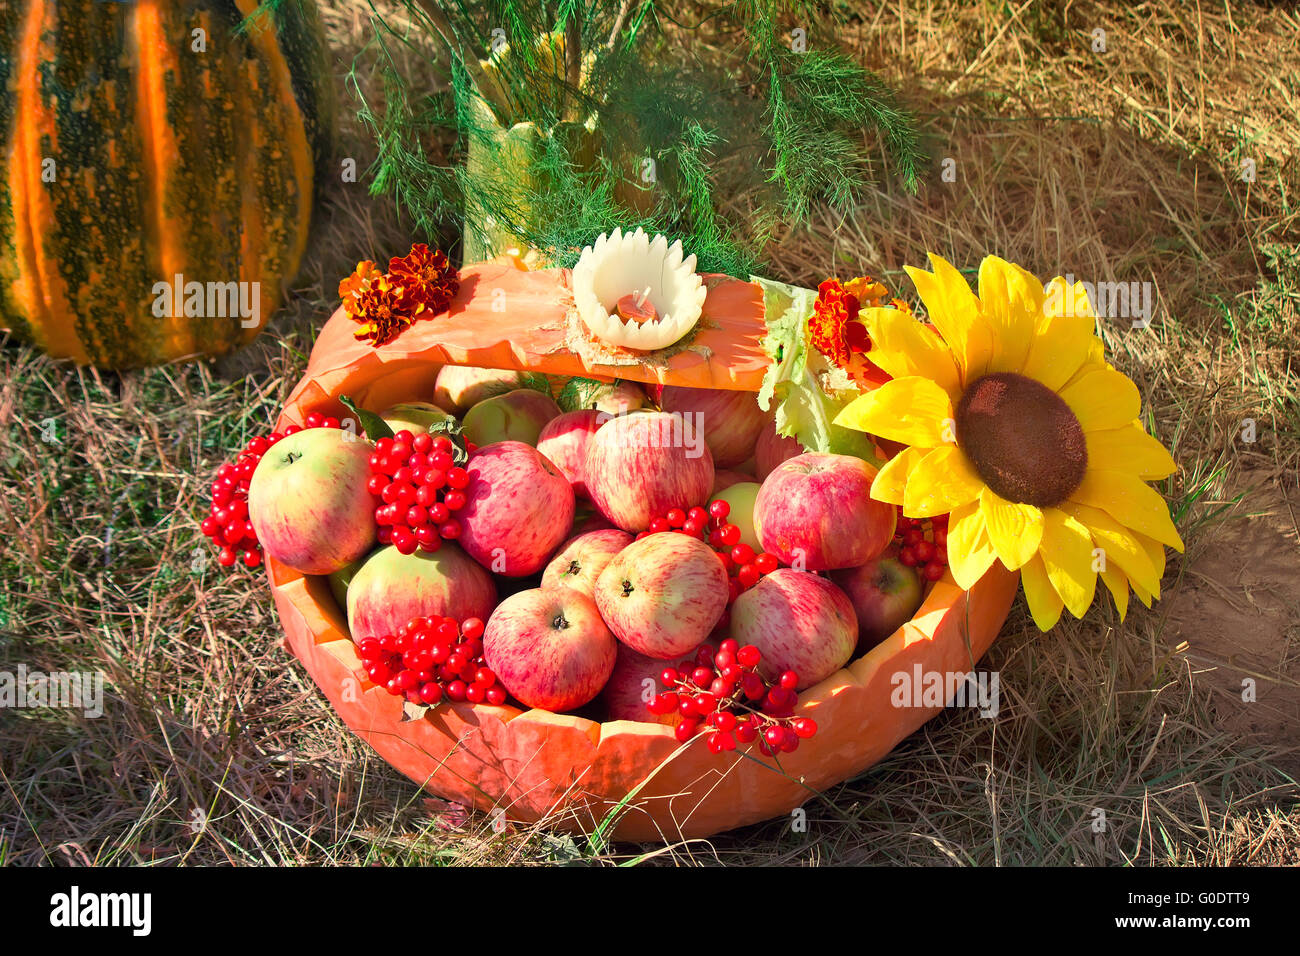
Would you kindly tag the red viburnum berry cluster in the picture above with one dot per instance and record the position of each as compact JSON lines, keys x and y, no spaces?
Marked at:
{"x":227,"y":522}
{"x":723,"y":691}
{"x":744,"y":567}
{"x":430,"y":659}
{"x":928,"y":555}
{"x":421,"y":487}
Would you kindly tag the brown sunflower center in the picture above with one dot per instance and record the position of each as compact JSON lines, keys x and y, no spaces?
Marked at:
{"x":1022,"y":439}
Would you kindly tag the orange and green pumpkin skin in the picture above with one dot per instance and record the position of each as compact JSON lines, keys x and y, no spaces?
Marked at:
{"x":137,"y":149}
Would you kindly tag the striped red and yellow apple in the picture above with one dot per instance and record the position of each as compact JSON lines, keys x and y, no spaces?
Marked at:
{"x":565,"y":439}
{"x":518,"y":508}
{"x":392,"y":588}
{"x":731,"y":419}
{"x":640,"y":465}
{"x":663,"y":595}
{"x":815,"y":512}
{"x":550,"y":648}
{"x":799,"y":621}
{"x":580,"y":560}
{"x":308,"y":502}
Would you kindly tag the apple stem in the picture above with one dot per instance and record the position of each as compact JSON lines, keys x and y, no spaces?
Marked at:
{"x":292,"y":456}
{"x":559,"y":623}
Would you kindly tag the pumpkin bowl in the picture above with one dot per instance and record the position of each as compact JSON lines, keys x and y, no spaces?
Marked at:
{"x":630,"y":778}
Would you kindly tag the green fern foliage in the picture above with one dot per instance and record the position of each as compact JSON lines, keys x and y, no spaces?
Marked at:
{"x":574,"y":117}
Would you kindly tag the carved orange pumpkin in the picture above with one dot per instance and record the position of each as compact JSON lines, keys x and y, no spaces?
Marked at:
{"x":577,"y":772}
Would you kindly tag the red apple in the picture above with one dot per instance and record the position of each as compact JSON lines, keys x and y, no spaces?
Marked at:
{"x":518,"y":509}
{"x":308,"y":501}
{"x":730,"y":418}
{"x":664,"y":594}
{"x":392,"y":588}
{"x":815,"y":512}
{"x":885,"y":594}
{"x":641,"y":465}
{"x":564,"y":441}
{"x":771,"y":449}
{"x":515,"y":416}
{"x":550,"y":648}
{"x":459,"y":387}
{"x":581,"y":559}
{"x":632,"y":685}
{"x":799,"y":621}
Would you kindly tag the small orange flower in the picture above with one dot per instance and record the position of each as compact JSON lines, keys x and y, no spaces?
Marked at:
{"x":419,"y":285}
{"x":834,"y":329}
{"x":351,"y":288}
{"x":428,"y":278}
{"x":901,"y":306}
{"x":869,"y":293}
{"x":382,"y":311}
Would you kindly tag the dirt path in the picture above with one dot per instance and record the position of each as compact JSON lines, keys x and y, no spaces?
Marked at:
{"x":1238,"y":610}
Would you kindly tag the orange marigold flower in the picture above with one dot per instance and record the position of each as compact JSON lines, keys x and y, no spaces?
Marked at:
{"x":351,"y":288}
{"x":383,"y":311}
{"x":869,"y":293}
{"x":428,"y":278}
{"x":833,"y":328}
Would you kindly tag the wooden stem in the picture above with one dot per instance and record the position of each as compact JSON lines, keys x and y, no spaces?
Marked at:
{"x":573,"y":64}
{"x":624,"y":8}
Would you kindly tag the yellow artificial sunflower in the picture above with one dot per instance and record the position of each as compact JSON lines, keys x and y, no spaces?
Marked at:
{"x":1019,"y":430}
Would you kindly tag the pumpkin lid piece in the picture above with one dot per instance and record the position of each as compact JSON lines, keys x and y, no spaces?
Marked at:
{"x":508,"y":318}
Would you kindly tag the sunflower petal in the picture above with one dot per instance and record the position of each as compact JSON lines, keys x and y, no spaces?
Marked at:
{"x":1012,"y":302}
{"x":1119,"y":545}
{"x":1156,"y":552}
{"x":912,"y":410}
{"x":1142,"y":593}
{"x":1129,"y":449}
{"x":1102,"y":398}
{"x":1044,"y":603}
{"x":1061,"y":298}
{"x":1063,"y":341}
{"x":1116,"y":582}
{"x":1067,"y":554}
{"x":1096,"y":360}
{"x":1014,"y":530}
{"x":969,"y":552}
{"x":902,"y":346}
{"x":941,"y":482}
{"x":892,"y":478}
{"x":953,"y":310}
{"x":1131,"y":502}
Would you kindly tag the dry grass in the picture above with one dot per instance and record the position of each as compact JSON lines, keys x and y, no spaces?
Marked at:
{"x":1117,"y":166}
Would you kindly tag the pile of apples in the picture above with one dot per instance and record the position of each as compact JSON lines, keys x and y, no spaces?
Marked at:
{"x":584,"y":609}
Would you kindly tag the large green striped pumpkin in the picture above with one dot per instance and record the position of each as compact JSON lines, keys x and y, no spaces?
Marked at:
{"x":132,"y":156}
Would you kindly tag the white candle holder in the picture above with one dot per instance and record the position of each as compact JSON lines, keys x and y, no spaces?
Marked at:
{"x":618,"y":265}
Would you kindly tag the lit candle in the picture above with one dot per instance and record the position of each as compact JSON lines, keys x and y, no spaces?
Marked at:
{"x":637,"y":307}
